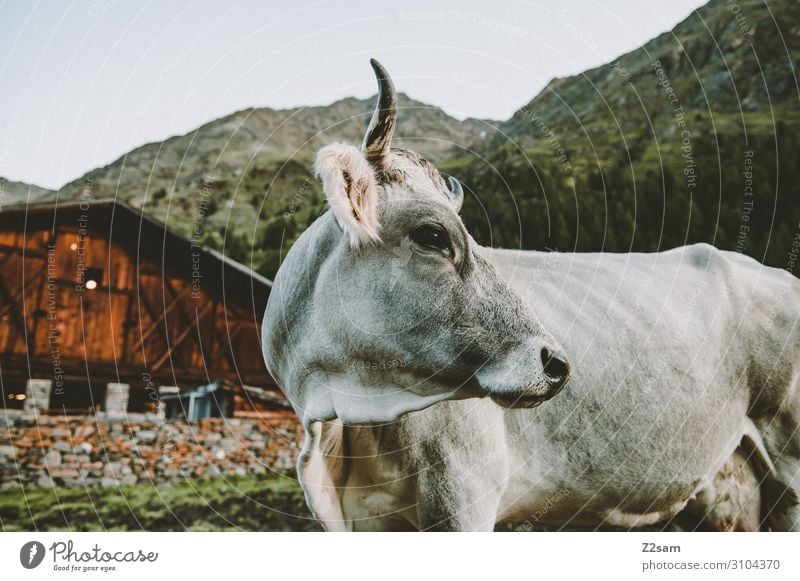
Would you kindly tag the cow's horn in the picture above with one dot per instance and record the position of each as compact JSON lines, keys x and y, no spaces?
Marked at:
{"x":378,"y":139}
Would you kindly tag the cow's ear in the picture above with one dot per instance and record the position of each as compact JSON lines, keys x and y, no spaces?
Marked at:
{"x":349,"y":184}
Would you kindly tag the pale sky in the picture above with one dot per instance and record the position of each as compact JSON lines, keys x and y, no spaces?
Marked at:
{"x":83,"y":82}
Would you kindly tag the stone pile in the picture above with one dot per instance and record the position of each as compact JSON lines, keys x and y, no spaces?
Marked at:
{"x":51,"y":451}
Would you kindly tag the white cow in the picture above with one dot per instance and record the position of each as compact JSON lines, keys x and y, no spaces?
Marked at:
{"x":417,"y":361}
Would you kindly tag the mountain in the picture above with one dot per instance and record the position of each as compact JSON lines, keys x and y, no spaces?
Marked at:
{"x":691,"y":137}
{"x":247,"y":176}
{"x":724,"y":58}
{"x":253,"y":144}
{"x":21,"y":193}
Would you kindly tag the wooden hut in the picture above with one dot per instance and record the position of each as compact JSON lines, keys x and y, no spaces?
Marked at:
{"x":103,"y":308}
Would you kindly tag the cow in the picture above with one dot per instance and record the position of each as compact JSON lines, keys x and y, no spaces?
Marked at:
{"x":444,"y":385}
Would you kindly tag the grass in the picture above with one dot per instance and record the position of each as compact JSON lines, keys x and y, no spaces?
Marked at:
{"x":237,"y":504}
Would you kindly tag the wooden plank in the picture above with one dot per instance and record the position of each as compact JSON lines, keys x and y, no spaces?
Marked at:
{"x":17,"y":315}
{"x":154,"y":324}
{"x":18,"y":296}
{"x":26,"y":250}
{"x":182,"y":337}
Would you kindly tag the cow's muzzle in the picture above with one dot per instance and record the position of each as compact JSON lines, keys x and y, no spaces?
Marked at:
{"x":555,"y":372}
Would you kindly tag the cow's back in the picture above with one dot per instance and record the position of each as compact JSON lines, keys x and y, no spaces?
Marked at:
{"x":669,"y":351}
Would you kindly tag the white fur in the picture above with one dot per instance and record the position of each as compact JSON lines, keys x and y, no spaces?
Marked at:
{"x":349,"y":185}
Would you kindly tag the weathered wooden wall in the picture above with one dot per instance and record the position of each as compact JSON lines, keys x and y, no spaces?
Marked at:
{"x":163,"y":311}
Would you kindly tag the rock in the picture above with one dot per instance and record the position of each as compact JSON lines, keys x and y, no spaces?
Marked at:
{"x":86,"y":474}
{"x":45,"y":481}
{"x":94,"y":451}
{"x":143,"y":450}
{"x":23,"y":442}
{"x":84,"y":431}
{"x":53,"y":458}
{"x":128,"y":480}
{"x":65,"y":474}
{"x":9,"y":418}
{"x":61,"y":446}
{"x":146,"y":435}
{"x":112,"y":469}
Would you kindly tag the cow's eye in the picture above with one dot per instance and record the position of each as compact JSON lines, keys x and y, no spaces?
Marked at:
{"x":433,"y":237}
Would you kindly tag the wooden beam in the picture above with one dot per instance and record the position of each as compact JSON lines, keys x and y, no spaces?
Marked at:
{"x":17,"y":367}
{"x":143,"y":299}
{"x":186,"y":317}
{"x":154,"y":324}
{"x":228,"y":348}
{"x":182,"y":337}
{"x":127,"y":326}
{"x":27,"y":251}
{"x":215,"y":342}
{"x":18,"y":316}
{"x":39,"y":272}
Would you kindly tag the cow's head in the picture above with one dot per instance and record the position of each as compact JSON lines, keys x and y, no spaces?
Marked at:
{"x":386,"y":304}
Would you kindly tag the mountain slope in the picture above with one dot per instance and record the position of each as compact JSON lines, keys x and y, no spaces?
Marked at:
{"x":692,"y":137}
{"x":716,"y":62}
{"x":247,"y":177}
{"x":21,"y":193}
{"x":228,"y":148}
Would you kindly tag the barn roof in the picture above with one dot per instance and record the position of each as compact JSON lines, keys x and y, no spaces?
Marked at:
{"x":129,"y":226}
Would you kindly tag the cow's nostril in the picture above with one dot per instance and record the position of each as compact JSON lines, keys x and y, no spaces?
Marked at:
{"x":554,"y":366}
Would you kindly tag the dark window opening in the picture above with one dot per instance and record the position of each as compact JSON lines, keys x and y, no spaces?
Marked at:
{"x":77,"y":397}
{"x":93,"y":278}
{"x":139,"y":401}
{"x":14,"y":396}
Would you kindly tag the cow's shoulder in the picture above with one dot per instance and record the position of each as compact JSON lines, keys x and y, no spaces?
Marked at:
{"x":705,"y":256}
{"x":742,"y":276}
{"x":701,"y":258}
